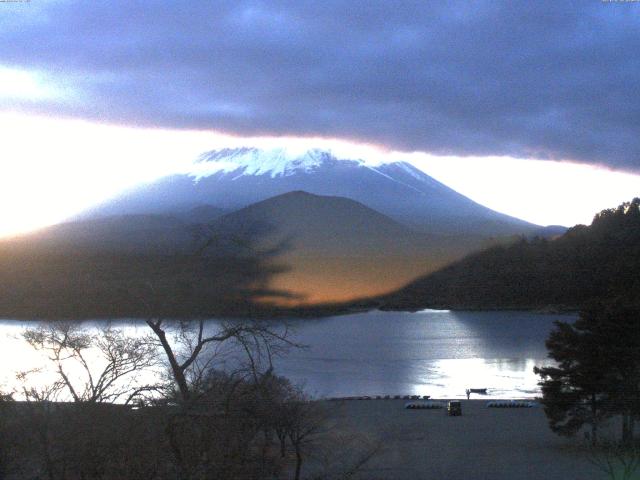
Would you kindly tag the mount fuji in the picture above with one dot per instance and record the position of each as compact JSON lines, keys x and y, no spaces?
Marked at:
{"x":295,"y":229}
{"x":230,"y":179}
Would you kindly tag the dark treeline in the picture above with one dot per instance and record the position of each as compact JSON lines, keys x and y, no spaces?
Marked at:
{"x":237,"y":429}
{"x":586,"y":263}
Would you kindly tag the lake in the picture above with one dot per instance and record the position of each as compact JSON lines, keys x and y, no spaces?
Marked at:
{"x":432,"y":352}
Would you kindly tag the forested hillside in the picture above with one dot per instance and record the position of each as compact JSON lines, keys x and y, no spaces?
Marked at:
{"x":587,"y":262}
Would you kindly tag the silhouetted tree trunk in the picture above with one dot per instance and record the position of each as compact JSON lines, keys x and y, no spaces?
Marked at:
{"x":177,"y":370}
{"x":594,"y":425}
{"x":298,"y":451}
{"x":627,"y":429}
{"x":282,"y":437}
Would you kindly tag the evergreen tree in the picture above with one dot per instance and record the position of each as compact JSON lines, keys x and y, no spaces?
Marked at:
{"x":574,"y":391}
{"x":598,"y":370}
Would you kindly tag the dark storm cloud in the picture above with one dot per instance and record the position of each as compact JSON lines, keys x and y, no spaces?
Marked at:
{"x":543,"y":79}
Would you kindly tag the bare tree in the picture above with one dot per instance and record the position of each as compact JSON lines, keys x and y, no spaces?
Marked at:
{"x":307,"y":421}
{"x":213,"y":365}
{"x":94,"y":367}
{"x":295,"y":419}
{"x":191,"y":348}
{"x":315,"y":435}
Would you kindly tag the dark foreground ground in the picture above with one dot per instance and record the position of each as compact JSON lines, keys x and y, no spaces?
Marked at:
{"x":484,"y":443}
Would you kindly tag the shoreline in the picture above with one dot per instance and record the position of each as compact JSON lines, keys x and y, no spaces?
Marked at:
{"x":483,"y":443}
{"x":428,"y":398}
{"x":294,"y":314}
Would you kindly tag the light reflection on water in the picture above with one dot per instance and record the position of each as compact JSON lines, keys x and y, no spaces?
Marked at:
{"x":437,"y":353}
{"x":504,"y":378}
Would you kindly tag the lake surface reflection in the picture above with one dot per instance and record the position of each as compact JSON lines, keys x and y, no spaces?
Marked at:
{"x":437,"y":353}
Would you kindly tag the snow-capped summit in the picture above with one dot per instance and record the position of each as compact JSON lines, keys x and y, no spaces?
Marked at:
{"x":285,"y":162}
{"x":275,"y":162}
{"x":230,"y":179}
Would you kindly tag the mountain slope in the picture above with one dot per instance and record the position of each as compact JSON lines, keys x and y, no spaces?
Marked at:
{"x":321,"y":224}
{"x":586,"y":263}
{"x":337,"y":249}
{"x":234,"y":178}
{"x":123,"y":233}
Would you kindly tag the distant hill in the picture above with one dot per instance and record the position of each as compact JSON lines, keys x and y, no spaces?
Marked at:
{"x":585,"y":263}
{"x":337,"y":249}
{"x":322,"y":225}
{"x":231,"y":179}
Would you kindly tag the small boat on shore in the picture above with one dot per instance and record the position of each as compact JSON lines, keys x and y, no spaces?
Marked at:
{"x":431,"y":405}
{"x":481,"y":391}
{"x":511,"y":404}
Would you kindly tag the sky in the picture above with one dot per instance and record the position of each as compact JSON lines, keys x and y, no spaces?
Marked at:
{"x":531,"y":108}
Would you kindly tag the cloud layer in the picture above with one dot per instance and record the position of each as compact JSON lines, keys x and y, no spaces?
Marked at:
{"x":544,"y":79}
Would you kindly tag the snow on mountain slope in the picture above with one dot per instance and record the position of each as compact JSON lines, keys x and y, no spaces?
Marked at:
{"x":275,"y":162}
{"x":283,"y":162}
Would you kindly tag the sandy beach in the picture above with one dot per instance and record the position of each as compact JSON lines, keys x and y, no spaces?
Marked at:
{"x":483,"y":443}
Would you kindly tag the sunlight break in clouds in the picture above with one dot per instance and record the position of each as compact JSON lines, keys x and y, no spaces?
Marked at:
{"x":51,"y":169}
{"x":20,"y":84}
{"x":539,"y":191}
